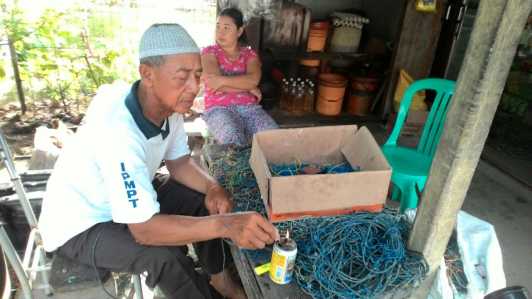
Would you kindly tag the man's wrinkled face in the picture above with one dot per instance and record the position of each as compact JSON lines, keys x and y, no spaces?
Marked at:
{"x":175,"y":83}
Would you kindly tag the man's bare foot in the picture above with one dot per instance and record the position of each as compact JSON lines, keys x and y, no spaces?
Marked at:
{"x":226,"y":286}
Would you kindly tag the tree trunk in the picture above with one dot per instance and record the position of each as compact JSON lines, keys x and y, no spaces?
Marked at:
{"x":18,"y":81}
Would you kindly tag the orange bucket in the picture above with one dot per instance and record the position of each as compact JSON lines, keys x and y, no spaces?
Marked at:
{"x":310,"y":62}
{"x":331,"y":91}
{"x":333,"y":79}
{"x":317,"y":36}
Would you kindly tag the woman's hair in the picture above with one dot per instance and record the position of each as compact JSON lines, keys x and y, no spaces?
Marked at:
{"x":235,"y":14}
{"x":238,"y":18}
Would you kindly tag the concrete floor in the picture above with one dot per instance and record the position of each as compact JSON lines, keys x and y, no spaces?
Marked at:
{"x":504,"y":202}
{"x":499,"y":200}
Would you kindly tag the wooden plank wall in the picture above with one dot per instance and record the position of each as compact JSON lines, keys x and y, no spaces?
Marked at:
{"x":415,"y":47}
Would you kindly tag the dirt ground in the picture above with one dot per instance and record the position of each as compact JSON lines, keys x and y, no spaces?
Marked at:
{"x":19,"y":129}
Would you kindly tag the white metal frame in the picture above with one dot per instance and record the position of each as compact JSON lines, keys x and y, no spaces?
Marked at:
{"x":34,"y":261}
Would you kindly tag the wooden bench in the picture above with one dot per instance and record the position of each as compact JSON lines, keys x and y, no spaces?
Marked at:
{"x":259,"y":287}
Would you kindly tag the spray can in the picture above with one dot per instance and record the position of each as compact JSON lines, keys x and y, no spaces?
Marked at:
{"x":283,"y":260}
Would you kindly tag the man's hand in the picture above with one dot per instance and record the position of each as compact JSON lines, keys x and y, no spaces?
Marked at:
{"x":218,"y":201}
{"x":249,"y":230}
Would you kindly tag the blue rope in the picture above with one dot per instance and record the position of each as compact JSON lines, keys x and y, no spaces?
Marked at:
{"x":362,"y":255}
{"x":233,"y":172}
{"x":298,"y":168}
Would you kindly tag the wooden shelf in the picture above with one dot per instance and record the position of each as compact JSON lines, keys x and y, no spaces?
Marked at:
{"x":287,"y":120}
{"x":287,"y":54}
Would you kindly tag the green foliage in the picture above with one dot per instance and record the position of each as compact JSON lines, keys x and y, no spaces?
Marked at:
{"x":514,"y":104}
{"x":67,"y":54}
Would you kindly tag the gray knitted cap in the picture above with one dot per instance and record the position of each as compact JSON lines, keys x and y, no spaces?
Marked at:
{"x":166,"y":39}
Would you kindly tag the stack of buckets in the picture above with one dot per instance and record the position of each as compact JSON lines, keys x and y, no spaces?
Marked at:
{"x":363,"y":91}
{"x":317,"y":37}
{"x":331,"y":91}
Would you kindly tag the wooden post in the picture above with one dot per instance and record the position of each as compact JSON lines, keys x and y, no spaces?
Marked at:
{"x":479,"y":87}
{"x":16,"y":73}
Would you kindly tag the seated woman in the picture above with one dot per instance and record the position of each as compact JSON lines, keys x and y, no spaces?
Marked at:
{"x":231,"y":73}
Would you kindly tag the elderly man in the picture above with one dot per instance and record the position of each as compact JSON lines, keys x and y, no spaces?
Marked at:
{"x":104,"y":208}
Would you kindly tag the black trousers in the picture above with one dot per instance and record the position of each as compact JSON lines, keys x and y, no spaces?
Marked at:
{"x":111,"y":246}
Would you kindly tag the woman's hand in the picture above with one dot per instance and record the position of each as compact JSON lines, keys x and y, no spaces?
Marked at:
{"x":218,"y":201}
{"x":257,"y":93}
{"x":213,"y":82}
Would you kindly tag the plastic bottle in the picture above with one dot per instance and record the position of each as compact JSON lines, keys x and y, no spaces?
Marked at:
{"x":309,"y":97}
{"x":284,"y":93}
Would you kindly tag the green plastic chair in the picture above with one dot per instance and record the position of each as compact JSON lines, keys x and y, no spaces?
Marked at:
{"x":410,"y":166}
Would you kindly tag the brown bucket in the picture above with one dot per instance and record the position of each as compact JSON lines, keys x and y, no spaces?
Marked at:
{"x":362,"y":92}
{"x":364,"y":84}
{"x":359,"y":103}
{"x":310,"y":62}
{"x":331,"y":93}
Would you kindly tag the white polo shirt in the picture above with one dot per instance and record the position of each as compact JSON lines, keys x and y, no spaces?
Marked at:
{"x":105,"y":172}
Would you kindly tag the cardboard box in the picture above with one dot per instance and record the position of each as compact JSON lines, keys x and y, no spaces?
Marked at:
{"x":292,"y":197}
